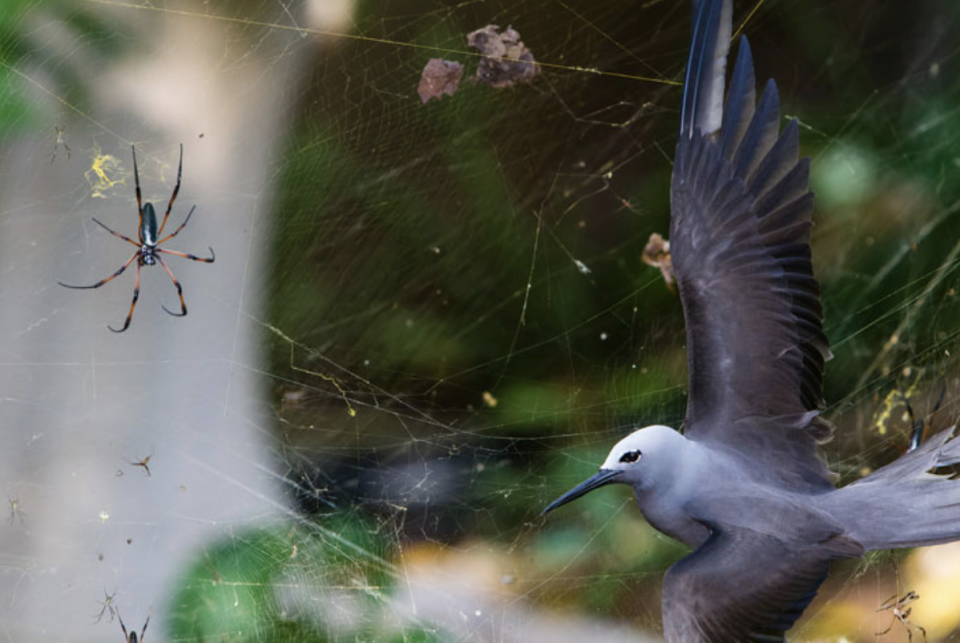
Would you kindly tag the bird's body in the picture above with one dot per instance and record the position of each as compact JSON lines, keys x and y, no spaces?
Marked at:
{"x":684,"y":485}
{"x":745,"y":486}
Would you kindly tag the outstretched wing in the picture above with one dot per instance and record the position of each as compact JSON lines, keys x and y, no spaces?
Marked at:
{"x":741,"y":218}
{"x":741,"y":586}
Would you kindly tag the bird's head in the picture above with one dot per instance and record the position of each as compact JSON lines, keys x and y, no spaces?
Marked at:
{"x":640,"y":459}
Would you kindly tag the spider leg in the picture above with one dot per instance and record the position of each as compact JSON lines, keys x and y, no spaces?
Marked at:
{"x":892,"y":621}
{"x":133,"y":304}
{"x":183,"y":306}
{"x":122,"y":626}
{"x":889,"y":603}
{"x":144,"y":630}
{"x":933,"y":413}
{"x":110,"y":278}
{"x":173,"y":197}
{"x":117,"y":234}
{"x":907,"y":405}
{"x":136,"y":178}
{"x":916,"y":426}
{"x":189,"y":256}
{"x":182,"y":226}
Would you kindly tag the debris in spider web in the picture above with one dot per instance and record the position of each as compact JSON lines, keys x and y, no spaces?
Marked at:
{"x":489,"y":399}
{"x":506,"y":60}
{"x":883,"y":416}
{"x":439,"y":77}
{"x":292,"y":398}
{"x":657,"y":254}
{"x":104,"y":173}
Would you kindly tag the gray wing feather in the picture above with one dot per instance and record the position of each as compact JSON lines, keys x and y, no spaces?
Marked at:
{"x":703,"y":105}
{"x":740,"y":229}
{"x":761,"y":134}
{"x":782,"y":158}
{"x":741,"y":586}
{"x":741,"y":101}
{"x":927,"y":503}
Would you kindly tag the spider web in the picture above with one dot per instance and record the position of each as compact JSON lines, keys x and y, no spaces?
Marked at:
{"x":425,"y":321}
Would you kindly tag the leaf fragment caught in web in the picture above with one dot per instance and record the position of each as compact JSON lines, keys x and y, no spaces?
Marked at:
{"x":506,"y":60}
{"x":439,"y":77}
{"x":657,"y":254}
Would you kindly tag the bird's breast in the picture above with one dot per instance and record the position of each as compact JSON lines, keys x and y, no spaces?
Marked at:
{"x":666,"y":515}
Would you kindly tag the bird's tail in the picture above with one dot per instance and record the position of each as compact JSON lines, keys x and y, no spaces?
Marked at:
{"x":907,"y":503}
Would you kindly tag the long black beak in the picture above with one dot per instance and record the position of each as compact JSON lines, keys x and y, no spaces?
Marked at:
{"x":602,"y":477}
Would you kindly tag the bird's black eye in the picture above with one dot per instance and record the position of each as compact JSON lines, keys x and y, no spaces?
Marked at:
{"x":631,"y":456}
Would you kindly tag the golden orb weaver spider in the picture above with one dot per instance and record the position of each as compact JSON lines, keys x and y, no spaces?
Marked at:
{"x":132,"y":636}
{"x":148,"y":249}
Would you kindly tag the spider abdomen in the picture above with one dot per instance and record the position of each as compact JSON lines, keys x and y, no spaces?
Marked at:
{"x":148,"y":226}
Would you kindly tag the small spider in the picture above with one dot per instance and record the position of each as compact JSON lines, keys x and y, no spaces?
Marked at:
{"x":901,"y":612}
{"x":148,"y":252}
{"x":144,"y":463}
{"x":59,"y":142}
{"x":15,"y":510}
{"x":107,"y":605}
{"x":919,"y":428}
{"x":132,"y":636}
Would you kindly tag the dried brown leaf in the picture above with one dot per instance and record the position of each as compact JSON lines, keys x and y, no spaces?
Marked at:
{"x":439,"y":77}
{"x":657,"y":254}
{"x":506,"y":60}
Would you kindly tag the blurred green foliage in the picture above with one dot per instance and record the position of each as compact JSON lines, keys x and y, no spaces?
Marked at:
{"x":14,"y":107}
{"x":322,"y":583}
{"x":32,"y":31}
